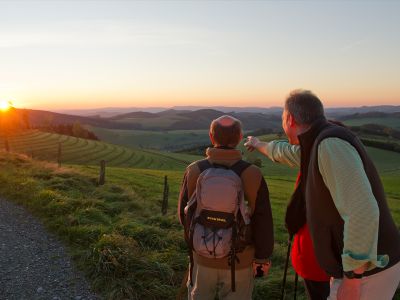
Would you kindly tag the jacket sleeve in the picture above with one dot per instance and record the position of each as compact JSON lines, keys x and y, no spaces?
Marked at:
{"x":262,"y":226}
{"x":339,"y":164}
{"x":283,"y":152}
{"x":183,"y":198}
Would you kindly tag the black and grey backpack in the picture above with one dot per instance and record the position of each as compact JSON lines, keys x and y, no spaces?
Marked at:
{"x":217,"y":217}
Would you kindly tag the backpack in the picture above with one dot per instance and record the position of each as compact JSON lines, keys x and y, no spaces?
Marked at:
{"x":217,"y":221}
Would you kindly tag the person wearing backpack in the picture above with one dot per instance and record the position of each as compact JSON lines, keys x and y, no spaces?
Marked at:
{"x":226,"y":213}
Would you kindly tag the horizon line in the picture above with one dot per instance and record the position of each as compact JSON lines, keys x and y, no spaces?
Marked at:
{"x":192,"y":106}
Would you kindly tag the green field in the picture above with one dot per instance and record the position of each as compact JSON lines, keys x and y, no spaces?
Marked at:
{"x":390,"y":122}
{"x":44,"y":146}
{"x":116,"y":232}
{"x":161,"y":140}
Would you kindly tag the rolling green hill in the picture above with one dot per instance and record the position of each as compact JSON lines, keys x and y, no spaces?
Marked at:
{"x":195,"y":120}
{"x":390,"y":122}
{"x":44,"y":146}
{"x":161,"y":140}
{"x":117,"y":234}
{"x":391,"y":119}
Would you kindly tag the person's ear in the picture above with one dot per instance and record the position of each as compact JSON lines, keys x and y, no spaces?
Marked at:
{"x":292,"y":121}
{"x":211,"y":137}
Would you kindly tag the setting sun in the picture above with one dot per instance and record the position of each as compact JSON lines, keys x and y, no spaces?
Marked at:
{"x":5,"y":105}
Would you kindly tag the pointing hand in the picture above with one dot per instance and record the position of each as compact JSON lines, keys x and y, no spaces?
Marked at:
{"x":251,"y":143}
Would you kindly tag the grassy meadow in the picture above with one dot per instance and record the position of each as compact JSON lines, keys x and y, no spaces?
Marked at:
{"x":390,"y":122}
{"x":160,"y":140}
{"x":156,"y":122}
{"x":116,"y":232}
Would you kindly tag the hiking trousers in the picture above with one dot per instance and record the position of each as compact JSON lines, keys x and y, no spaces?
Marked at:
{"x":380,"y":286}
{"x":208,"y":282}
{"x":316,"y":290}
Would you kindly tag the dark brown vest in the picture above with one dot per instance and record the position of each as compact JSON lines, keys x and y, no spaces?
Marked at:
{"x":325,"y":223}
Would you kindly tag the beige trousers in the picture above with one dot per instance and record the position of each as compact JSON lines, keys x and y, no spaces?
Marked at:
{"x":380,"y":286}
{"x":208,"y":282}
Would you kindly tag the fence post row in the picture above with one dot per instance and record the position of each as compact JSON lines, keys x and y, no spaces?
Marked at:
{"x":164,"y":207}
{"x":102,"y":177}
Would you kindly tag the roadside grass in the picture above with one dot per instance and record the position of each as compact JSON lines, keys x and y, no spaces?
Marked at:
{"x":115,"y":236}
{"x":116,"y":232}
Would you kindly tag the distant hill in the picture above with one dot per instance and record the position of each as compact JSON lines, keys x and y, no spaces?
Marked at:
{"x":344,"y":111}
{"x":380,"y":118}
{"x":39,"y":118}
{"x":199,"y":119}
{"x":135,"y":114}
{"x":108,"y":112}
{"x":173,"y":119}
{"x":171,"y":112}
{"x":372,"y":114}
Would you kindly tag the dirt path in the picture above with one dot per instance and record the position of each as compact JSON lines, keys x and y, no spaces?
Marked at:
{"x":33,"y":263}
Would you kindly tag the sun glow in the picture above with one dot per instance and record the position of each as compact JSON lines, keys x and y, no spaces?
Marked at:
{"x":5,"y":105}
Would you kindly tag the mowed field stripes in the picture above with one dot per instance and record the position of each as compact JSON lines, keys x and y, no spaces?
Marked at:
{"x":44,"y":146}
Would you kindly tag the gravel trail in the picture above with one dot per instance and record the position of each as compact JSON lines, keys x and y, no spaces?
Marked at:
{"x":33,"y":263}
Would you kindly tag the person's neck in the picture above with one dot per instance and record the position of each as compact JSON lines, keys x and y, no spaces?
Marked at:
{"x":300,"y":130}
{"x":223,"y":147}
{"x":303,"y":129}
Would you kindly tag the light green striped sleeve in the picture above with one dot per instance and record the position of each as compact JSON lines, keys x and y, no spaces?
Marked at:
{"x":283,"y":152}
{"x":343,"y":173}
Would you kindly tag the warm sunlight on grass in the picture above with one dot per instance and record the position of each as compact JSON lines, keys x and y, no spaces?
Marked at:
{"x":5,"y":105}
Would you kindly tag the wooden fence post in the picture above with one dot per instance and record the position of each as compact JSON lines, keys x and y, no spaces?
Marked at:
{"x":164,"y":207}
{"x":59,"y":155}
{"x":6,"y":144}
{"x":102,"y":177}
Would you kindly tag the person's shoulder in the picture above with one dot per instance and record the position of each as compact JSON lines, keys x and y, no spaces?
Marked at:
{"x":334,"y":141}
{"x":252,"y":172}
{"x":333,"y":130}
{"x":194,"y":166}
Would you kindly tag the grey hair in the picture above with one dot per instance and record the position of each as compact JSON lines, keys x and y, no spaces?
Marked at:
{"x":304,"y":106}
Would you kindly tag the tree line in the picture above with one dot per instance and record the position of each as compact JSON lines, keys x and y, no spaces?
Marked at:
{"x":75,"y":129}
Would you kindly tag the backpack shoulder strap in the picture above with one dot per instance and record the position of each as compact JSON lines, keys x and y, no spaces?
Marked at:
{"x":204,"y":165}
{"x":239,"y":167}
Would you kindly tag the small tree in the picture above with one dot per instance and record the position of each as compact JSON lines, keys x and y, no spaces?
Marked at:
{"x":10,"y":124}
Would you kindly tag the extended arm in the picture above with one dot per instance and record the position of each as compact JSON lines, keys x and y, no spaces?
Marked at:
{"x":278,"y":151}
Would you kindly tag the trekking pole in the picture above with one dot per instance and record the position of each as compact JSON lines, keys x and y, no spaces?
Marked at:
{"x":296,"y":280}
{"x":286,"y":268}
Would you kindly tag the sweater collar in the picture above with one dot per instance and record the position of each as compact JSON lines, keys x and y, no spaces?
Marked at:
{"x":315,"y":128}
{"x":220,"y":154}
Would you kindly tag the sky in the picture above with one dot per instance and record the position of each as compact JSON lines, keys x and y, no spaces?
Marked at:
{"x":92,"y":54}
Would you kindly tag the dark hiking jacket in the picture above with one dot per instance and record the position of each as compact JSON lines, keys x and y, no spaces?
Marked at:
{"x":325,"y":223}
